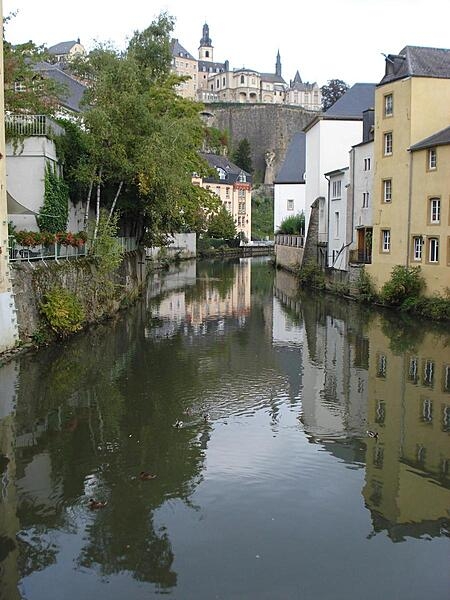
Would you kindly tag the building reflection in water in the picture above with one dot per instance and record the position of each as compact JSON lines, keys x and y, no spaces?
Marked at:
{"x":360,"y":373}
{"x":407,"y":475}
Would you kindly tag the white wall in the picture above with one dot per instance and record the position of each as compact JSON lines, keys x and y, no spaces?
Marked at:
{"x":362,"y":183}
{"x":25,"y":173}
{"x":284,"y":192}
{"x":328,"y":143}
{"x":338,"y":240}
{"x":8,"y":322}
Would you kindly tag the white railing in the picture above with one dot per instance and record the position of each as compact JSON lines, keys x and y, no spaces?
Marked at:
{"x":31,"y":125}
{"x":295,"y":241}
{"x":128,"y":243}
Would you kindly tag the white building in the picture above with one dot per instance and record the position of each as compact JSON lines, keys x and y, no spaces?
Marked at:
{"x":339,"y":224}
{"x":329,"y":138}
{"x":289,"y":185}
{"x":361,"y":186}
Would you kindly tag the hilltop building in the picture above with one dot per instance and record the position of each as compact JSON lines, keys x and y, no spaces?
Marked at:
{"x":216,"y":82}
{"x":233,"y":186}
{"x":64,"y":52}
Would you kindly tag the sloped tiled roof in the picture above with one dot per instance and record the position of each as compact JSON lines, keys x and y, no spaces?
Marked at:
{"x":217,"y":67}
{"x":417,"y":61}
{"x":179,"y":50}
{"x":62,"y":47}
{"x":272,"y":78}
{"x":355,"y":100}
{"x":222,"y":162}
{"x":74,"y":90}
{"x":293,"y":168}
{"x":441,"y":138}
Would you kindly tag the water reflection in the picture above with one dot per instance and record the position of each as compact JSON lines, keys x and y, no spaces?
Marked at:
{"x":297,"y":374}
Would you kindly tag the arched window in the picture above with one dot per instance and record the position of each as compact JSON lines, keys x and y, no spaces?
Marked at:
{"x":242,"y":79}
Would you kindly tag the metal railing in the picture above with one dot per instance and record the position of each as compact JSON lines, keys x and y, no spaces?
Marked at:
{"x":31,"y":125}
{"x":19,"y":253}
{"x":361,"y":256}
{"x":295,"y":241}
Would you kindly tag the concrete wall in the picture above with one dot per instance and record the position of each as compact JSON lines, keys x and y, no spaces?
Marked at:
{"x":288,"y":256}
{"x":267,"y":128}
{"x":81,"y":277}
{"x":183,"y":245}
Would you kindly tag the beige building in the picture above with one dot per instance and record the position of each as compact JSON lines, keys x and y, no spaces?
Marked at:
{"x":234,"y":188}
{"x":66,"y":51}
{"x":408,"y":465}
{"x":185,"y":65}
{"x":410,"y":199}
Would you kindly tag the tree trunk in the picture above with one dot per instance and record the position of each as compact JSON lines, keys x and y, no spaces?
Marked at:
{"x":97,"y":208}
{"x":113,"y":206}
{"x":88,"y":203}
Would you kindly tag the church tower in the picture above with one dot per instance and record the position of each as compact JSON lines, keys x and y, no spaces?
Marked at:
{"x":205,"y":51}
{"x":278,"y":65}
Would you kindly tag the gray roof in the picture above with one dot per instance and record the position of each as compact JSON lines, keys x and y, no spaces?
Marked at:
{"x":272,"y":78}
{"x":62,"y":47}
{"x":293,"y":168}
{"x":417,"y":61}
{"x":178,"y":50}
{"x":222,"y":162}
{"x":74,"y":90}
{"x":441,"y":138}
{"x":352,"y":104}
{"x":217,"y":67}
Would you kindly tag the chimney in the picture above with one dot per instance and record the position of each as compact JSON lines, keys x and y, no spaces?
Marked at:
{"x":368,"y":123}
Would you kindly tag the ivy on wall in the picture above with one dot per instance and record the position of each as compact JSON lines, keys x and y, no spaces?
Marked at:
{"x":55,"y":211}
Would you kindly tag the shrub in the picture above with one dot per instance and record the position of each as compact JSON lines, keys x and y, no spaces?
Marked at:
{"x":406,"y":283}
{"x":63,"y":311}
{"x":294,"y":225}
{"x":365,"y":287}
{"x":311,"y":275}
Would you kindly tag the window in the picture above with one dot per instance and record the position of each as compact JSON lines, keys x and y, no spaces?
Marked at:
{"x":417,"y":247}
{"x":427,"y":411}
{"x":428,"y":373}
{"x":336,"y":224}
{"x":223,"y":81}
{"x":242,"y":79}
{"x":388,"y":105}
{"x":381,"y":366}
{"x":446,"y":418}
{"x":207,"y":54}
{"x":227,"y":192}
{"x":380,"y":413}
{"x":432,"y":159}
{"x":433,"y":250}
{"x":336,"y":189}
{"x":242,"y":176}
{"x":19,"y":86}
{"x":385,"y":240}
{"x":290,"y":204}
{"x":387,"y":190}
{"x":241,"y":208}
{"x":435,"y":210}
{"x":365,"y":203}
{"x":367,"y":164}
{"x":413,"y":370}
{"x":446,"y":384}
{"x":388,"y":143}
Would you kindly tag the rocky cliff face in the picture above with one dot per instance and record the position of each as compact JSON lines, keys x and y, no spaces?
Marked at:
{"x":268,"y":128}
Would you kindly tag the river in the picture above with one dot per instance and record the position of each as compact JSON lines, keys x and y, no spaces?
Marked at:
{"x":270,"y":488}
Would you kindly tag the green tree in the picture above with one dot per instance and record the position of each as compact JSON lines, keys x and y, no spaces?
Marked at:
{"x":242,"y":156}
{"x":221,"y":225}
{"x":332,"y":91}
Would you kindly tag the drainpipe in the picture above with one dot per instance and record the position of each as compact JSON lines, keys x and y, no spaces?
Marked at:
{"x":408,"y":228}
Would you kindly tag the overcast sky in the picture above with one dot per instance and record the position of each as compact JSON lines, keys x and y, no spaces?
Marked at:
{"x":323,"y":39}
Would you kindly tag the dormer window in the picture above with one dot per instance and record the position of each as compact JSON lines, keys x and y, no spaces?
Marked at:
{"x":221,"y":173}
{"x":242,"y":177}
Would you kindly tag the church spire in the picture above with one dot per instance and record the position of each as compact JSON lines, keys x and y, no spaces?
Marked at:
{"x":206,"y":40}
{"x":278,"y":65}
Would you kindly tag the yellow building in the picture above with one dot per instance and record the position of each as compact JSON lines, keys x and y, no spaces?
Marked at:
{"x":234,"y":188}
{"x":412,"y":103}
{"x":408,"y":464}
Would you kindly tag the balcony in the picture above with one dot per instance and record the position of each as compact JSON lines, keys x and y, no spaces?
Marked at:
{"x":20,"y":126}
{"x":363,"y":257}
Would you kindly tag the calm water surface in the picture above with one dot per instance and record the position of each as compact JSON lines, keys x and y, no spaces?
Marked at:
{"x":279,"y":494}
